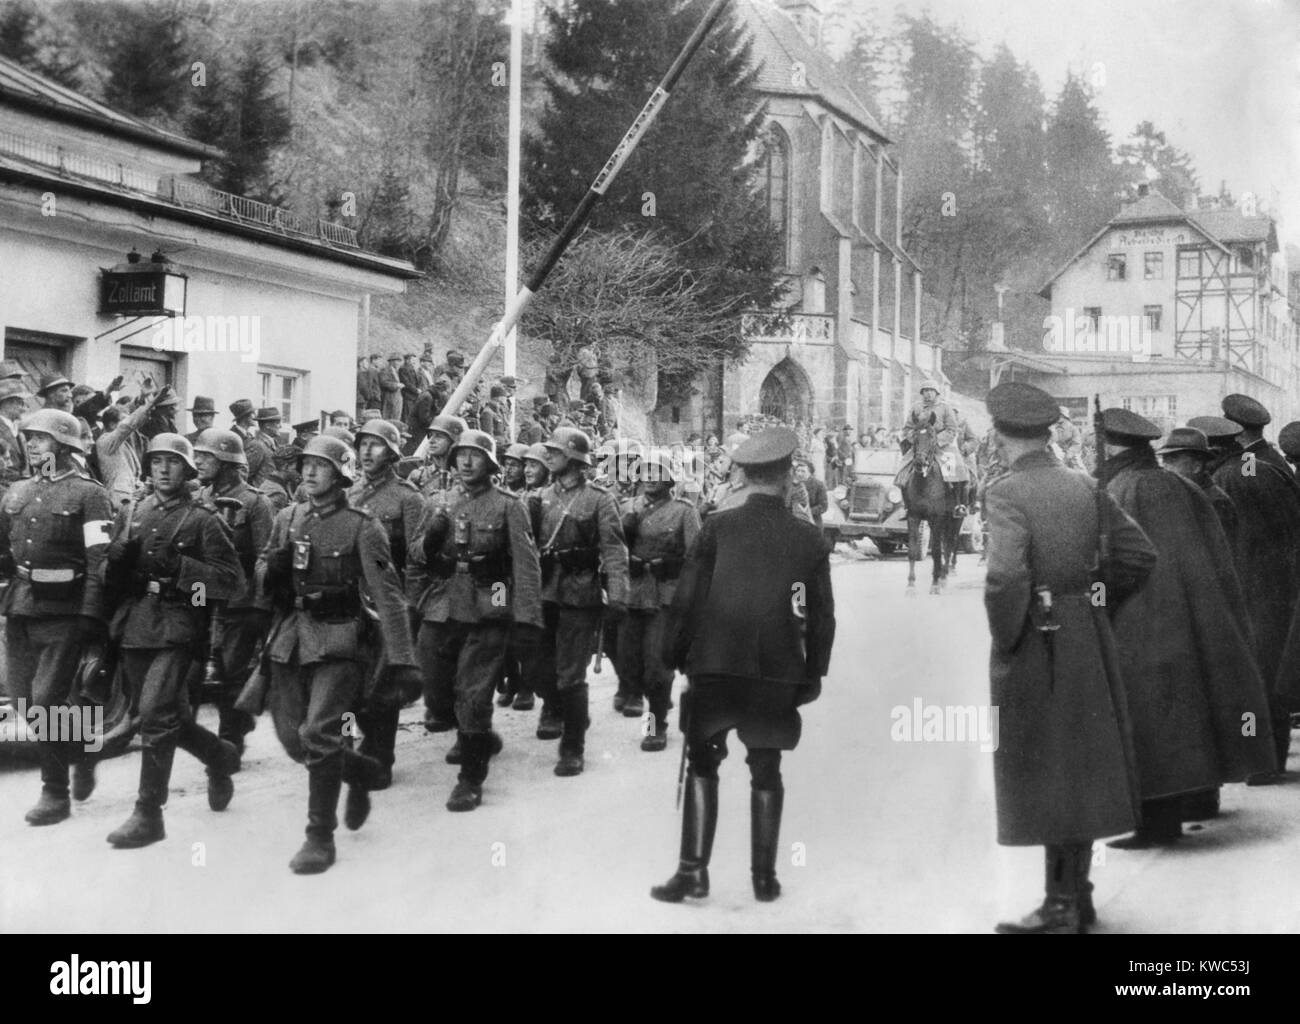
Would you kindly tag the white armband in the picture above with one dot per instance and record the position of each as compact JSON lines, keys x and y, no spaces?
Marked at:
{"x":96,"y":532}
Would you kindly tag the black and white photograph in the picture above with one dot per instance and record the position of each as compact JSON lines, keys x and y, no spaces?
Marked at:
{"x":651,"y":467}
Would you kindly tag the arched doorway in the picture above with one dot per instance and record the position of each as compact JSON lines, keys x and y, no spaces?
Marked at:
{"x":786,"y":393}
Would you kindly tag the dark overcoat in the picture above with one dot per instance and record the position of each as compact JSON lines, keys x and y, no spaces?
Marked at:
{"x":1063,"y":769}
{"x":1198,"y":703}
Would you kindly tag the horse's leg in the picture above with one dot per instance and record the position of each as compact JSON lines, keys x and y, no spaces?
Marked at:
{"x":913,"y":540}
{"x":937,"y":531}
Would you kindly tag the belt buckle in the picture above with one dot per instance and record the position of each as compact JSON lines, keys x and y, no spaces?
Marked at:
{"x":462,"y":567}
{"x":153,"y":587}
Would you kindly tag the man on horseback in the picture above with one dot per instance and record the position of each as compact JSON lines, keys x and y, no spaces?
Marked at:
{"x":942,"y":419}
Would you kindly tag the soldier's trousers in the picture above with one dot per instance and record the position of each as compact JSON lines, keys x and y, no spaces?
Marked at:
{"x":468,"y":659}
{"x":640,"y":668}
{"x":236,"y":635}
{"x":41,"y":665}
{"x":308,"y":703}
{"x":155,"y":679}
{"x":567,"y":645}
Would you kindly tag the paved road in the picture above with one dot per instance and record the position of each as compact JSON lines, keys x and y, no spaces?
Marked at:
{"x":880,"y":834}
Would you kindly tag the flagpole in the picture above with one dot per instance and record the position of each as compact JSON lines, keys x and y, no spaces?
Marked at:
{"x":511,"y":355}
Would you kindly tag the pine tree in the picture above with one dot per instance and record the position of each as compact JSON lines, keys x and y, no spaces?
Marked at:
{"x":692,"y":181}
{"x":39,"y":40}
{"x":1085,"y":184}
{"x":148,"y":60}
{"x":1148,"y":158}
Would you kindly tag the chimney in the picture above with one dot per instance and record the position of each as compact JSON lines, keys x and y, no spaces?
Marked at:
{"x":1144,"y":190}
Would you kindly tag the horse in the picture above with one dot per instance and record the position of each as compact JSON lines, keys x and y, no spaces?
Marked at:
{"x":929,"y":499}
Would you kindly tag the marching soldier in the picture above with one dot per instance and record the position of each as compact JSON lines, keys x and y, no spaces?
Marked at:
{"x":240,"y":623}
{"x":1063,"y":770}
{"x":513,"y":690}
{"x":53,"y":531}
{"x":580,"y":536}
{"x":660,"y":530}
{"x":480,"y":554}
{"x":321,"y":559}
{"x":751,"y":624}
{"x":619,"y":472}
{"x":169,"y":558}
{"x":398,"y":507}
{"x":1267,"y":553}
{"x":1189,"y":671}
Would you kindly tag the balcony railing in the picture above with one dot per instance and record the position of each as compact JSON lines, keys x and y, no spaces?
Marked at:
{"x":183,"y":192}
{"x":792,"y":328}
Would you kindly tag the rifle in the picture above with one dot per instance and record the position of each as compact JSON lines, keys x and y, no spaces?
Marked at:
{"x":1103,"y":502}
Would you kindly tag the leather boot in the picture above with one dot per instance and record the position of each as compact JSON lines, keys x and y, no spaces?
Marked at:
{"x":324,"y":782}
{"x":523,"y":701}
{"x":233,"y":725}
{"x":468,"y":794}
{"x":699,"y":822}
{"x":379,"y":740}
{"x":1083,"y":887}
{"x":573,"y":743}
{"x":361,"y":774}
{"x":1059,"y":914}
{"x":634,"y":706}
{"x":145,"y":825}
{"x":1161,"y":825}
{"x":53,"y":805}
{"x":550,"y":724}
{"x":764,"y":832}
{"x":221,"y":758}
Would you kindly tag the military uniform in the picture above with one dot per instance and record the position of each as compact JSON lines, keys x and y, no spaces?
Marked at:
{"x":398,"y":507}
{"x":172,"y":558}
{"x":486,"y":582}
{"x":239,"y":624}
{"x":1063,"y":770}
{"x":53,"y":532}
{"x":751,"y":624}
{"x":580,"y":535}
{"x":659,"y":532}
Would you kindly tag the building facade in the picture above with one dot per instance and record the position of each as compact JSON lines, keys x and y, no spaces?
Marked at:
{"x":268,"y":305}
{"x":1164,"y":311}
{"x":840,"y":349}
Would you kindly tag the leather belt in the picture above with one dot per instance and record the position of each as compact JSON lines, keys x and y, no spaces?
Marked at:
{"x":47,"y":575}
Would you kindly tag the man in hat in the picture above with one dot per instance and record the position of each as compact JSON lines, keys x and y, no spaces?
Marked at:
{"x":339,"y":418}
{"x":1187,"y":453}
{"x":53,"y":531}
{"x":409,"y":376}
{"x":580,"y":538}
{"x":1288,"y":439}
{"x":56,"y":392}
{"x":304,"y":432}
{"x":493,"y":417}
{"x":1189,"y":671}
{"x":659,"y":531}
{"x":426,"y":371}
{"x":1220,"y":435}
{"x":751,"y":624}
{"x":453,"y":368}
{"x":13,"y":459}
{"x":11,"y":371}
{"x":164,"y":552}
{"x":203,"y":413}
{"x":1063,"y":767}
{"x":396,"y":503}
{"x":426,"y":408}
{"x":1267,"y":553}
{"x":538,"y":427}
{"x":486,"y":588}
{"x":262,"y":445}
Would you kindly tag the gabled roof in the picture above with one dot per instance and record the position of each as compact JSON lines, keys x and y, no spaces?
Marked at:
{"x":22,"y":88}
{"x":778,"y":45}
{"x":1153,"y":208}
{"x":1231,"y":225}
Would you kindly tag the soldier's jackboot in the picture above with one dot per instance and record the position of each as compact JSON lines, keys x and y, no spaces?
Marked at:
{"x":233,"y":725}
{"x":1082,"y":886}
{"x":634,"y":705}
{"x":1201,"y":806}
{"x":550,"y":724}
{"x":362,"y":774}
{"x":324,"y":782}
{"x":145,"y":825}
{"x":699,"y":823}
{"x":524,"y":700}
{"x":53,"y":805}
{"x":764,"y":832}
{"x":573,"y":742}
{"x":219,"y":756}
{"x":379,"y":740}
{"x":659,"y":703}
{"x":477,"y":751}
{"x":1162,"y":824}
{"x":1059,"y":913}
{"x":456,"y":755}
{"x":83,"y":774}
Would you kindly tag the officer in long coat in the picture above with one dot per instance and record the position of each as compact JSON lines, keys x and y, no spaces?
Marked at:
{"x":170,"y":557}
{"x":659,"y":530}
{"x":1186,"y":451}
{"x":1267,"y":552}
{"x":480,"y":555}
{"x":400,"y":510}
{"x":1063,"y":770}
{"x":580,"y":537}
{"x":54,"y":528}
{"x":322,"y":561}
{"x":751,"y":624}
{"x":1189,"y":670}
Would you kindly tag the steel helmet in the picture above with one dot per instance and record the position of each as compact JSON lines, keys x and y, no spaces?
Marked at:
{"x":658,"y":466}
{"x":62,"y":426}
{"x":451,"y":426}
{"x":386,"y":432}
{"x":171,"y":444}
{"x":572,"y":443}
{"x":929,"y":385}
{"x":516,"y":451}
{"x":536,"y":452}
{"x":479,"y":440}
{"x":337,"y":452}
{"x":225,"y":445}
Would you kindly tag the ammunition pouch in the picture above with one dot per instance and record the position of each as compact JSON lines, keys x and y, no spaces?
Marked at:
{"x":578,"y":559}
{"x":330,"y":603}
{"x":483,"y":569}
{"x":662,"y":569}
